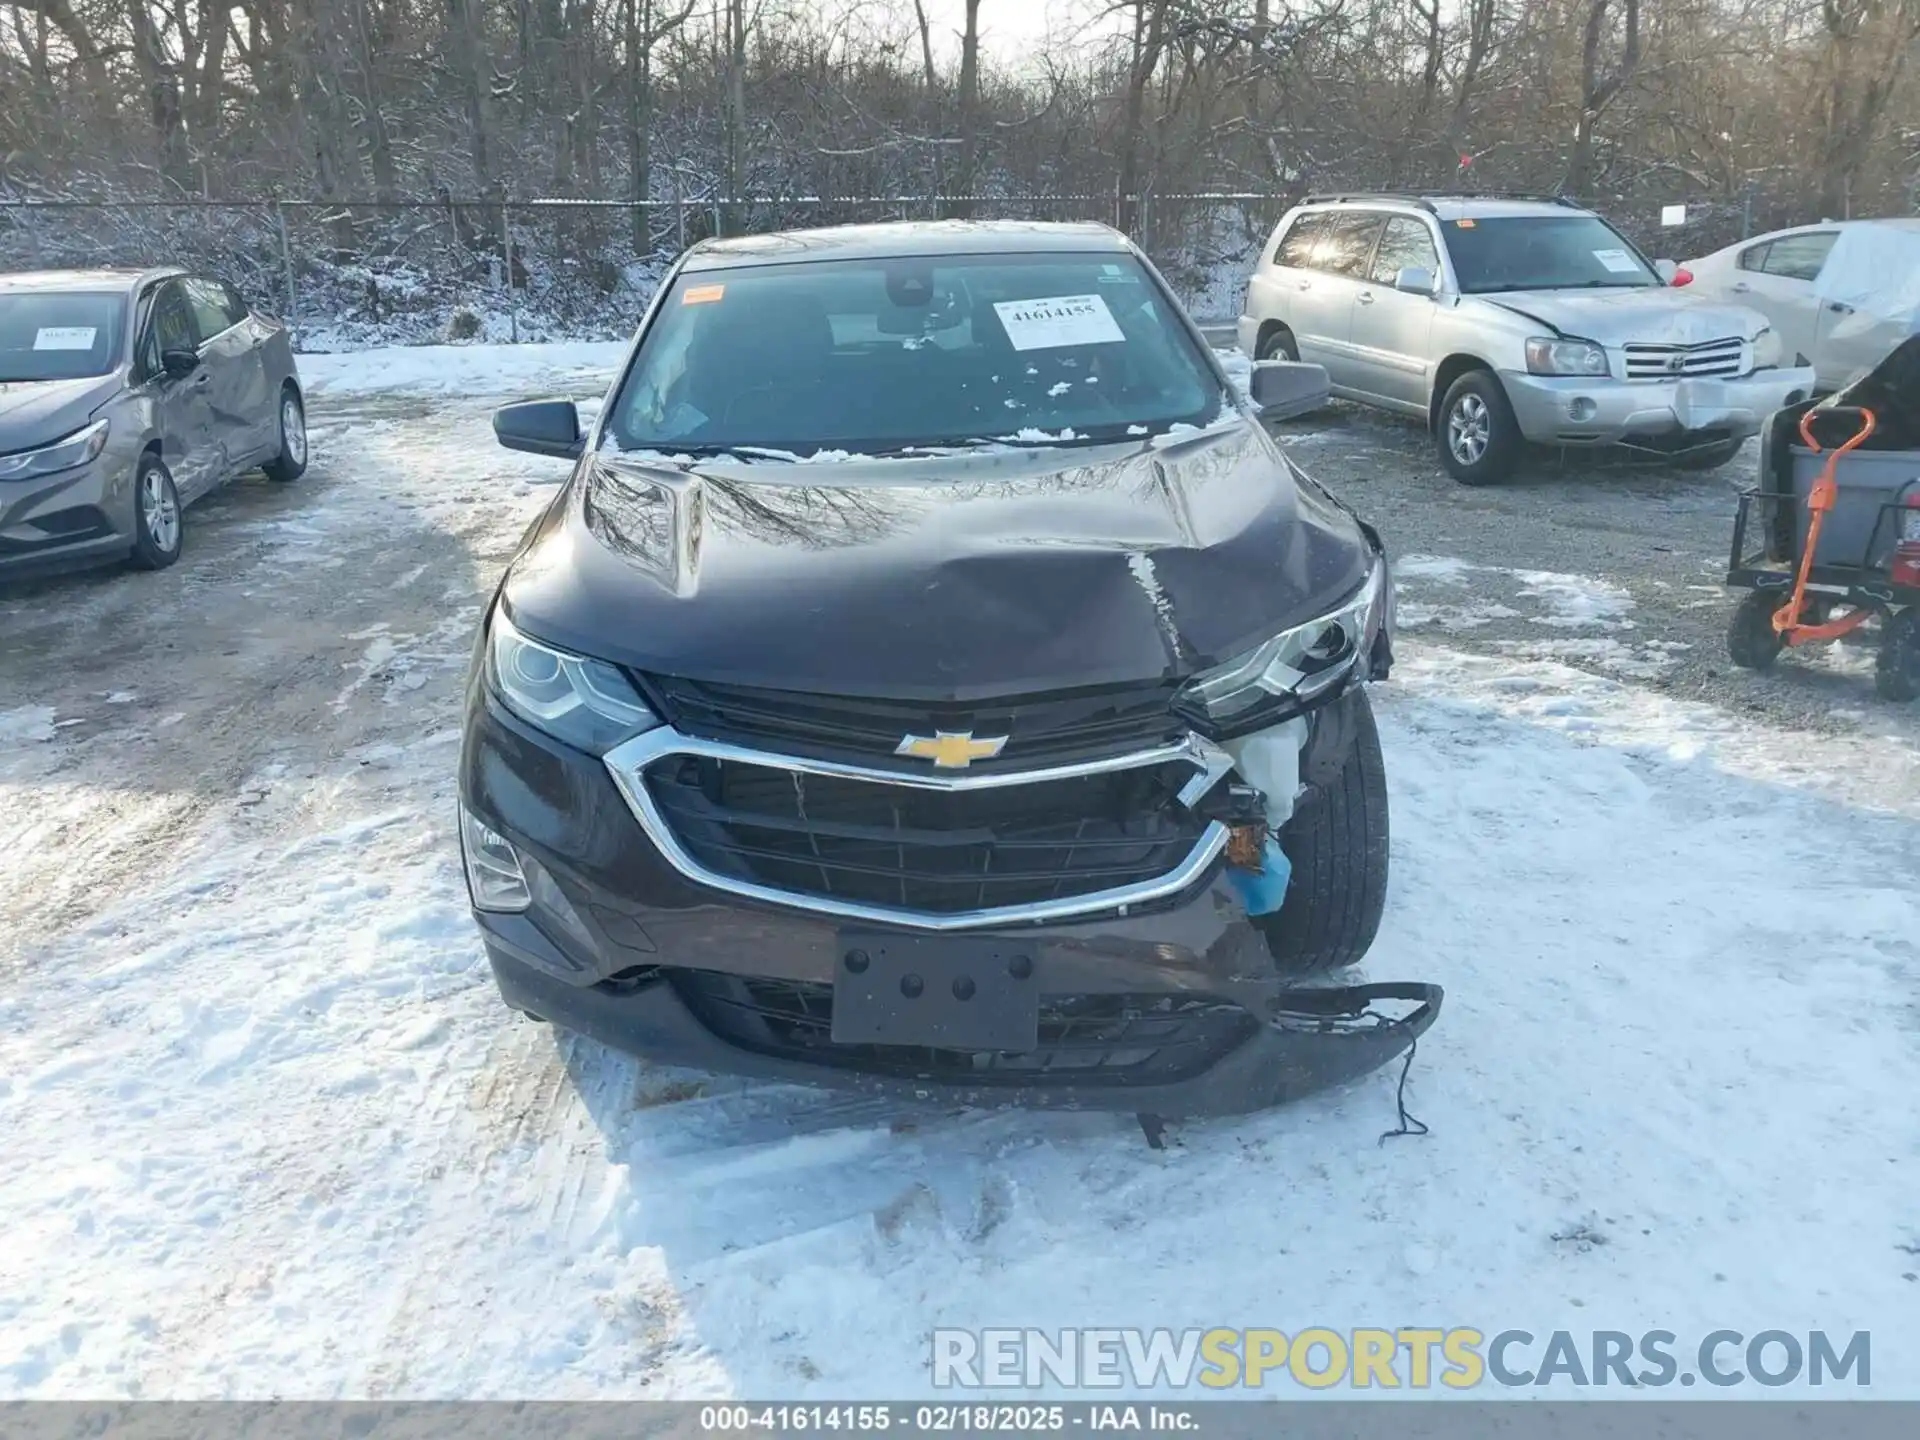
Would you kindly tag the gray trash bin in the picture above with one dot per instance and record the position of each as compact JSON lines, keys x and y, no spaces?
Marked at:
{"x":1855,"y":534}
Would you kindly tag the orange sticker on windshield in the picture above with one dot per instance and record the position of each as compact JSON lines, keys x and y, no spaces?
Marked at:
{"x":1464,"y":224}
{"x":703,"y":295}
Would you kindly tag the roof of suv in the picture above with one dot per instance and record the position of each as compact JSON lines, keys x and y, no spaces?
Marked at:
{"x":1457,"y":207}
{"x":904,"y":239}
{"x":121,"y":278}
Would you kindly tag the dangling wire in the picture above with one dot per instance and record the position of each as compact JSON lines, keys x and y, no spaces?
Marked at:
{"x":1409,"y":1125}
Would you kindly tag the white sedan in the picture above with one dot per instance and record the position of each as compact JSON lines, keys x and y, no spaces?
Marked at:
{"x":1839,"y":295}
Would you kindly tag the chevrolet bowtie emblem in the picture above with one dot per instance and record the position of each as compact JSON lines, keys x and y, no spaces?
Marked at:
{"x":950,"y":750}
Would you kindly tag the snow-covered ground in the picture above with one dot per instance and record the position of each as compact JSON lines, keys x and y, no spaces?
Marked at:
{"x":269,"y":1133}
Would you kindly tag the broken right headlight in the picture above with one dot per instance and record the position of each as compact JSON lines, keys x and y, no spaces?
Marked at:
{"x":1283,"y":676}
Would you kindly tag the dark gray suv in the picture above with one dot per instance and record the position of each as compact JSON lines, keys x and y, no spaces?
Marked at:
{"x":933,"y":677}
{"x":125,"y":396}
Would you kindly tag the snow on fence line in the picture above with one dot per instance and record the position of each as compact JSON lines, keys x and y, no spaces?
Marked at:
{"x":359,"y":271}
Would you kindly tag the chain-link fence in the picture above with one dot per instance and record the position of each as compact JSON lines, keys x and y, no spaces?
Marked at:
{"x":354,"y":272}
{"x":360,"y":272}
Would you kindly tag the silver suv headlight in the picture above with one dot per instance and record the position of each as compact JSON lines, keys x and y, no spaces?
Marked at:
{"x":1277,"y":678}
{"x":586,"y":703}
{"x":69,"y":453}
{"x":1766,"y":349}
{"x":1565,"y":357}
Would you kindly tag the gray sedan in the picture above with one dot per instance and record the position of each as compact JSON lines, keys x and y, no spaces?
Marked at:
{"x":124,"y":397}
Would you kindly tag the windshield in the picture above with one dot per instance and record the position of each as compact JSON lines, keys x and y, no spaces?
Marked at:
{"x":49,"y":335}
{"x":877,"y":356}
{"x":1543,"y":252}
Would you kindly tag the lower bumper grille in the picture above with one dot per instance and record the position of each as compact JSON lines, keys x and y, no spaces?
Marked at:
{"x":937,"y":852}
{"x":1084,"y":1039}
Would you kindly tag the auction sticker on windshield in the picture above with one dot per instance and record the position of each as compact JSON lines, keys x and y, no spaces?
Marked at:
{"x":64,"y":337}
{"x":1618,"y":261}
{"x":1057,"y":320}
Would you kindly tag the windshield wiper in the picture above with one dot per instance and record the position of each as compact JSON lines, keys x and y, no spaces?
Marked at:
{"x":1597,"y":285}
{"x":670,"y":452}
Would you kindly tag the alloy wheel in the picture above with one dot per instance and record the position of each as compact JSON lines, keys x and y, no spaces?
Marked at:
{"x":160,"y":510}
{"x":1469,"y":428}
{"x":293,"y":430}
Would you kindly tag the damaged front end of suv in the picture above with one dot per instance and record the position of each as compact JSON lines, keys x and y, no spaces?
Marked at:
{"x":933,"y":679}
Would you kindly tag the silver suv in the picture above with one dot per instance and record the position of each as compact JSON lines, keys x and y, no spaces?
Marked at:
{"x":1503,"y":321}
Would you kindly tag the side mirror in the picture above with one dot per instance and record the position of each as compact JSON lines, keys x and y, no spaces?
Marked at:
{"x":1666,"y":270}
{"x":1682,"y":276}
{"x":1414,"y":280}
{"x":1282,"y":389}
{"x":541,"y":427}
{"x":179,"y":363}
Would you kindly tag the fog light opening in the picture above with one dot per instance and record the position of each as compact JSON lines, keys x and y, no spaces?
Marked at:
{"x":495,"y":880}
{"x":1582,"y":408}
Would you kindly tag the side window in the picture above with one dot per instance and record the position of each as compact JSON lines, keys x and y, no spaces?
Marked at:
{"x":1754,"y":257}
{"x":1296,"y":249}
{"x":173,"y":327}
{"x":237,"y":309}
{"x":1405,"y":244}
{"x":1799,"y":257}
{"x":146,"y":354}
{"x":209,"y":302}
{"x":1347,"y":244}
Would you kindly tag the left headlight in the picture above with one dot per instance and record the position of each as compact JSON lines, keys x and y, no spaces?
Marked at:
{"x":1766,"y":349}
{"x":586,"y":703}
{"x":1565,"y":357}
{"x":65,"y":454}
{"x":1279,"y":677}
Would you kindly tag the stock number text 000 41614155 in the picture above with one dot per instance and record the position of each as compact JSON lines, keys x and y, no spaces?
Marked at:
{"x":905,"y":1419}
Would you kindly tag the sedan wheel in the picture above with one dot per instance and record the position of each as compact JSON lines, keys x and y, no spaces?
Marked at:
{"x":157,"y":523}
{"x":291,"y":462}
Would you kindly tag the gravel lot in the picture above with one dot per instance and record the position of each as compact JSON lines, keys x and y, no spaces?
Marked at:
{"x":1610,"y":567}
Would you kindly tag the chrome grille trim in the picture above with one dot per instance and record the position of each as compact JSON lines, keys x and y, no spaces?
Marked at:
{"x":1724,"y":358}
{"x":628,"y":762}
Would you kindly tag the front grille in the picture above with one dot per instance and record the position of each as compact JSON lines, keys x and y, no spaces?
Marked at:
{"x":1084,"y":1039}
{"x":1042,"y":730}
{"x":940,"y":852}
{"x":1647,"y":361}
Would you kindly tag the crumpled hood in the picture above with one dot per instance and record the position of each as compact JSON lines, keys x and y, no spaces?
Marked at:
{"x":939,"y":579}
{"x":35,"y":412}
{"x":1654,"y":315}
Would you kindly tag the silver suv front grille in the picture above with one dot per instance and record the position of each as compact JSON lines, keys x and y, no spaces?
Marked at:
{"x":1724,"y":357}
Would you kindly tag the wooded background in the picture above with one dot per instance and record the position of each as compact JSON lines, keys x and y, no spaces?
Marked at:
{"x":403,"y":129}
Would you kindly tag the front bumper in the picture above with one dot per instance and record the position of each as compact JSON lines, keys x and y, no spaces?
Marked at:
{"x":1179,"y":998}
{"x":1670,"y":415}
{"x":71,"y":515}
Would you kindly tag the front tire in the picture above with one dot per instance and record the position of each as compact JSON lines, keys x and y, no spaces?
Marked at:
{"x":291,"y":463}
{"x":1752,"y":642}
{"x":1478,"y":437}
{"x":1337,"y":845}
{"x":1278,"y":345}
{"x":159,"y":529}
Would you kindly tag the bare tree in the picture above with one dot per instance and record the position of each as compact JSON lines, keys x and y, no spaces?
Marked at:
{"x":1601,"y":80}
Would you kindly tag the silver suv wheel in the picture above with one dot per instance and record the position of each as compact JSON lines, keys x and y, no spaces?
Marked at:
{"x":1468,"y":429}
